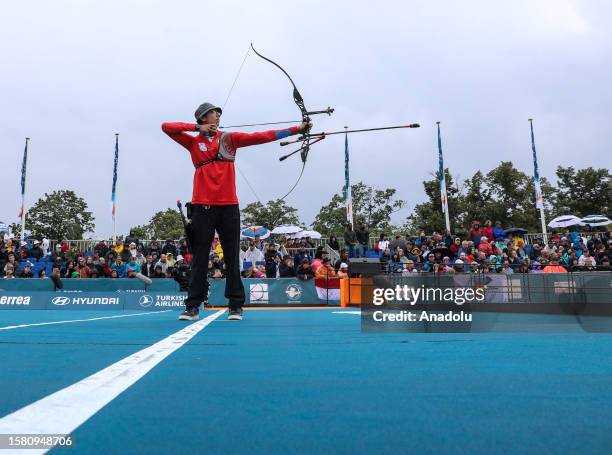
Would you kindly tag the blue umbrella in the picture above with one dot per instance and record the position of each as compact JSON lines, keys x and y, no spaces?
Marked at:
{"x":515,"y":231}
{"x":255,"y":231}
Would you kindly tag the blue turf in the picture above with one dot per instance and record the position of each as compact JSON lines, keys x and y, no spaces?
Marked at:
{"x":309,"y":381}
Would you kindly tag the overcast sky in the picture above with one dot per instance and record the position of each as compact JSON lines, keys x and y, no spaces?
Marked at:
{"x":76,"y":72}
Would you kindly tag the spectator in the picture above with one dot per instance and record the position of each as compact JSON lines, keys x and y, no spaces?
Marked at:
{"x":326,"y":271}
{"x":333,"y":243}
{"x":506,"y":269}
{"x":119,"y":267}
{"x":118,"y":247}
{"x":343,"y":271}
{"x":302,"y":255}
{"x":498,"y":232}
{"x":36,"y":251}
{"x":9,"y":271}
{"x":475,"y":233}
{"x":82,"y":268}
{"x":487,"y":230}
{"x":154,"y":248}
{"x":272,"y":260}
{"x":27,"y":271}
{"x":170,"y":247}
{"x":343,"y":258}
{"x":148,"y":268}
{"x":287,"y":269}
{"x":132,"y":238}
{"x":363,"y":237}
{"x":69,"y":269}
{"x":553,"y":266}
{"x":318,"y":260}
{"x":409,"y":268}
{"x":458,"y":266}
{"x":350,"y":241}
{"x":114,"y":273}
{"x":253,"y":254}
{"x":135,"y":266}
{"x":101,"y":248}
{"x":157,"y":272}
{"x":163,"y":263}
{"x":586,"y":260}
{"x":304,"y":271}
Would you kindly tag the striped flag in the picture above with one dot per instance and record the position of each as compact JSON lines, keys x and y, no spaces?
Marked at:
{"x":443,"y":195}
{"x":113,"y":192}
{"x":24,"y":165}
{"x":347,"y":183}
{"x":536,"y":173}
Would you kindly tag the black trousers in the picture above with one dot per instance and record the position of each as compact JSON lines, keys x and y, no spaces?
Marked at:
{"x":205,"y":219}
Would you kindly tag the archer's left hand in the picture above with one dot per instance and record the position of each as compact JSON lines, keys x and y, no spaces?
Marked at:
{"x":305,"y":127}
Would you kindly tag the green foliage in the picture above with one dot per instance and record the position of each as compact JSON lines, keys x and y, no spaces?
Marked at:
{"x":583,"y":192}
{"x":370,"y":206}
{"x":274,"y":213}
{"x":166,"y":224}
{"x":142,"y":232}
{"x":60,"y":215}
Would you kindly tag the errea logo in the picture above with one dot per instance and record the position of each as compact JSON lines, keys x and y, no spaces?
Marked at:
{"x":60,"y":301}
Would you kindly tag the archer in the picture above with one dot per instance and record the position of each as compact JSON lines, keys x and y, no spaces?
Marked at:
{"x":214,"y":204}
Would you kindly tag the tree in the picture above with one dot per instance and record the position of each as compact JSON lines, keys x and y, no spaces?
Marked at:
{"x":60,"y":215}
{"x":274,"y":213}
{"x":428,"y":215}
{"x":142,"y":232}
{"x":583,"y":192}
{"x":370,"y":206}
{"x":513,"y":195}
{"x":166,"y":224}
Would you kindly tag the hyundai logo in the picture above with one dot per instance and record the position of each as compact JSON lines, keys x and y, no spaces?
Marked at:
{"x":60,"y":301}
{"x":145,"y":300}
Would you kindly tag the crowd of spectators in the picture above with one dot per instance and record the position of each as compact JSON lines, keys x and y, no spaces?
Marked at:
{"x":488,"y":249}
{"x":484,"y":249}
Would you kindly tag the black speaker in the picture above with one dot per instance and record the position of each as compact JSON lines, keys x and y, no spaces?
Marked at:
{"x":367,"y":267}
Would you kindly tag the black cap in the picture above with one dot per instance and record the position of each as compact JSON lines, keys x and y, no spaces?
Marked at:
{"x":204,"y":109}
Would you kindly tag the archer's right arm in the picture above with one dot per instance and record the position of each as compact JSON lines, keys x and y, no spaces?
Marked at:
{"x":178,"y":132}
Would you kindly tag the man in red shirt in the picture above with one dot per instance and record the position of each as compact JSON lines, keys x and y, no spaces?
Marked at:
{"x":214,"y":201}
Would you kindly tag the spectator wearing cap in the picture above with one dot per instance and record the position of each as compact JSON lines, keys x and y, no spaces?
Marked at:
{"x":27,"y":271}
{"x":343,"y":271}
{"x":458,"y":266}
{"x":474,"y":267}
{"x":455,"y":247}
{"x":286,"y":269}
{"x":118,"y":247}
{"x":428,"y":265}
{"x":304,"y":271}
{"x":36,"y":251}
{"x":170,"y":258}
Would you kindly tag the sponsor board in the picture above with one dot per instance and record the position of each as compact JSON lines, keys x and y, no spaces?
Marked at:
{"x":162,"y":300}
{"x":64,"y":300}
{"x":294,"y":292}
{"x":258,"y":293}
{"x":12,"y":300}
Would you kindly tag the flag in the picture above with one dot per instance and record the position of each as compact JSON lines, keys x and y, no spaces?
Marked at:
{"x":536,"y":173}
{"x":443,"y":197}
{"x":113,"y":192}
{"x":23,"y":179}
{"x":347,"y":183}
{"x":328,"y":289}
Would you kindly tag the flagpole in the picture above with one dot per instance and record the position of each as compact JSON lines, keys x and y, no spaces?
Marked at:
{"x":443,"y":193}
{"x":114,"y":191}
{"x":347,"y":191}
{"x":536,"y":181}
{"x":24,"y":166}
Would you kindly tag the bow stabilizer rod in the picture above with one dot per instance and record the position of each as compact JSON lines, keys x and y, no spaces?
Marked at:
{"x":324,"y":134}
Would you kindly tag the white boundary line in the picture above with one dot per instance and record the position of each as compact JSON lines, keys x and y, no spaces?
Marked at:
{"x":10,"y":327}
{"x":64,"y":411}
{"x":347,"y":312}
